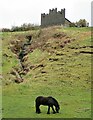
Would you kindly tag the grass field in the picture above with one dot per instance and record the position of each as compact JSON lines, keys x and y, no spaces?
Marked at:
{"x":60,"y":69}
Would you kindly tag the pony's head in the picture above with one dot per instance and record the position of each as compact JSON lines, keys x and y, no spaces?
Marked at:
{"x":57,"y":109}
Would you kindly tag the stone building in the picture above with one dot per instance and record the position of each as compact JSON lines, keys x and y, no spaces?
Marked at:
{"x":54,"y":18}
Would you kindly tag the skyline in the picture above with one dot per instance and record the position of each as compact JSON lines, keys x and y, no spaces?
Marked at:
{"x":18,"y":12}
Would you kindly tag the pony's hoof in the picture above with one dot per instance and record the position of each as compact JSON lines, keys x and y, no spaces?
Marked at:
{"x":48,"y":113}
{"x":38,"y":112}
{"x":54,"y":112}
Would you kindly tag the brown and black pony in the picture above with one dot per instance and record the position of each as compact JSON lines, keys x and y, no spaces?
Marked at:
{"x":48,"y":101}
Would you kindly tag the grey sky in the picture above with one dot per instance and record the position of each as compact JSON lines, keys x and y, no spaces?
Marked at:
{"x":17,"y":12}
{"x":92,"y":13}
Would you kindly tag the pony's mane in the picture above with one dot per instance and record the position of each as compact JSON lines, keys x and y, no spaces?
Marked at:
{"x":54,"y":100}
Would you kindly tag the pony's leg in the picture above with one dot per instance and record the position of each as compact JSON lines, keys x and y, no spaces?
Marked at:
{"x":37,"y":109}
{"x":48,"y":112}
{"x":53,"y":110}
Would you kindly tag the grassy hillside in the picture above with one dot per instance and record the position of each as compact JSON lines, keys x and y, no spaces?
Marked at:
{"x":59,"y":65}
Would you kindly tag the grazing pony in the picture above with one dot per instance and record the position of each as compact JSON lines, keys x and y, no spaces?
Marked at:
{"x":48,"y":101}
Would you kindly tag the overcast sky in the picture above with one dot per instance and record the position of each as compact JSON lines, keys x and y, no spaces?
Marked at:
{"x":17,"y":12}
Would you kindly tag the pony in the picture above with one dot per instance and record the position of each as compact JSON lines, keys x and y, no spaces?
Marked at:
{"x":47,"y":101}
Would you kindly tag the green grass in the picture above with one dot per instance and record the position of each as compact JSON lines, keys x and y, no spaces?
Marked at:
{"x":74,"y":101}
{"x":65,"y":75}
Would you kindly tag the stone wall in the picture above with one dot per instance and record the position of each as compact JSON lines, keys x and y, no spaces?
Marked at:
{"x":53,"y":18}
